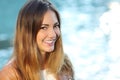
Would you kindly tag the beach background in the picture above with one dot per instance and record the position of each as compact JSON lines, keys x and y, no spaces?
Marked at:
{"x":90,"y":30}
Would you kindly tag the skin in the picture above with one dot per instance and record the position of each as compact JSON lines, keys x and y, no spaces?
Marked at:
{"x":48,"y":33}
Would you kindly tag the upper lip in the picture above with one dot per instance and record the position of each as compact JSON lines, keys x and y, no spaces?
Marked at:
{"x":53,"y":40}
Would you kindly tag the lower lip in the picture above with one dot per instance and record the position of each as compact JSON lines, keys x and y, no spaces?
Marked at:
{"x":50,"y":44}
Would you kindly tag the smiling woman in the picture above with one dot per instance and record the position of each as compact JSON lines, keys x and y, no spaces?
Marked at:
{"x":49,"y":32}
{"x":38,"y":51}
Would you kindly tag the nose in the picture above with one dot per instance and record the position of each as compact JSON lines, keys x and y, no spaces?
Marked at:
{"x":52,"y":33}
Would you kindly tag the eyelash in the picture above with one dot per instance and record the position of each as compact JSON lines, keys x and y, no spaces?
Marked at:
{"x":44,"y":28}
{"x":57,"y":25}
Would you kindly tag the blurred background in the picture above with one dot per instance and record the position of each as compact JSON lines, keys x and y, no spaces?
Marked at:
{"x":90,"y":30}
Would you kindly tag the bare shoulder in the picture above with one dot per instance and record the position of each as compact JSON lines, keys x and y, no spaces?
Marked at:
{"x":8,"y":72}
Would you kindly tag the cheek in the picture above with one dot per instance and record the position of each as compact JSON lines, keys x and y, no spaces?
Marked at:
{"x":58,"y":32}
{"x":39,"y":36}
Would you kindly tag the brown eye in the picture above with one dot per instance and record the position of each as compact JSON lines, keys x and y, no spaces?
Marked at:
{"x":44,"y":27}
{"x":57,"y":25}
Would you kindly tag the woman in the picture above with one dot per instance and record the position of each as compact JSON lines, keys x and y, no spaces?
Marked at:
{"x":38,"y":52}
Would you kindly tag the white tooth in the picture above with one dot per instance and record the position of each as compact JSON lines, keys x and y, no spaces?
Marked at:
{"x":49,"y":41}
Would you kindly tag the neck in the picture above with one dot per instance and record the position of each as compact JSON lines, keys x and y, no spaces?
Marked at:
{"x":44,"y":59}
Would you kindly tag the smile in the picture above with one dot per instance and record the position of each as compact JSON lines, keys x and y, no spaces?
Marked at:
{"x":50,"y":42}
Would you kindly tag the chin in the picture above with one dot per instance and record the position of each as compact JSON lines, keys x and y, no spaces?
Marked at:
{"x":50,"y":50}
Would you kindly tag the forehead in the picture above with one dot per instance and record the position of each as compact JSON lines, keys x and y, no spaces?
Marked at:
{"x":50,"y":17}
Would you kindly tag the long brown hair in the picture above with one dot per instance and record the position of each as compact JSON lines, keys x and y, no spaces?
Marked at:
{"x":28,"y":60}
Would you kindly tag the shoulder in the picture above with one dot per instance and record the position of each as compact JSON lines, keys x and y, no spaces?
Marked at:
{"x":8,"y":72}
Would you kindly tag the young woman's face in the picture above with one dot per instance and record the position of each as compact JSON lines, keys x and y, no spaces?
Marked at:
{"x":48,"y":33}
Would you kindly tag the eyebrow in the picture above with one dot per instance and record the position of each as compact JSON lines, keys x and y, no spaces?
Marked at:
{"x":57,"y":23}
{"x":45,"y":24}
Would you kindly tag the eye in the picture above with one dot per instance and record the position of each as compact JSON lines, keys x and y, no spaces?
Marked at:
{"x":57,"y":25}
{"x":44,"y":27}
